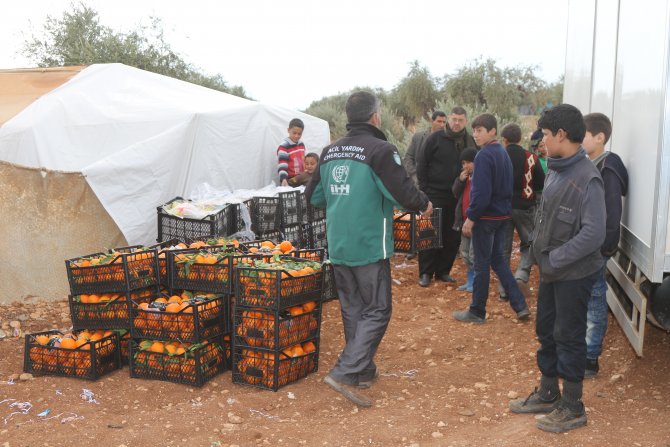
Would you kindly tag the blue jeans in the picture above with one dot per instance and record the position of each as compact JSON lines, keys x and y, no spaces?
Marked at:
{"x":488,"y":240}
{"x":560,"y":326}
{"x":596,"y":317}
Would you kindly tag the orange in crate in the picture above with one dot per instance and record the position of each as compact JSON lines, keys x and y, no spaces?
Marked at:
{"x":84,"y":354}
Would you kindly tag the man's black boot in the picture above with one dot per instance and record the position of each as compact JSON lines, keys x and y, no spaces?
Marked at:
{"x":543,"y":400}
{"x":570,"y":412}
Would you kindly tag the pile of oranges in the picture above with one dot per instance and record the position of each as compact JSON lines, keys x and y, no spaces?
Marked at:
{"x":273,"y":370}
{"x":268,"y":247}
{"x":105,"y":268}
{"x":402,"y":232}
{"x":266,"y":284}
{"x":256,"y":327}
{"x":175,"y":317}
{"x":106,"y":306}
{"x":175,"y":361}
{"x":204,"y":265}
{"x":70,"y":353}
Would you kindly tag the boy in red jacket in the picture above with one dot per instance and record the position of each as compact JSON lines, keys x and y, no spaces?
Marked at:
{"x":291,"y":153}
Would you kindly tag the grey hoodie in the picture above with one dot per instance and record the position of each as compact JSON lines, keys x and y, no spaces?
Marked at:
{"x":570,"y":225}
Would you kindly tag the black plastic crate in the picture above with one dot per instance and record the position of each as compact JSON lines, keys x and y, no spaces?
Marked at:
{"x":162,"y":248}
{"x":197,"y":364}
{"x":313,"y":213}
{"x":199,"y":320}
{"x":272,"y":369}
{"x":275,"y":289}
{"x":89,"y":360}
{"x":276,"y":329}
{"x":303,"y":203}
{"x":412,"y":232}
{"x":329,"y":286}
{"x":116,"y":271}
{"x":265,"y":216}
{"x":240,"y":208}
{"x":109,"y":310}
{"x":316,"y":234}
{"x":290,"y":208}
{"x":220,"y":223}
{"x":207,"y":269}
{"x":124,"y":341}
{"x":293,"y":233}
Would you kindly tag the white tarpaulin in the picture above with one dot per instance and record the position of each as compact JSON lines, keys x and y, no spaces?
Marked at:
{"x":141,"y":139}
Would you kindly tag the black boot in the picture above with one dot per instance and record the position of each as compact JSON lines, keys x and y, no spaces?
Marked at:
{"x":570,"y":412}
{"x":543,"y":400}
{"x":592,"y":368}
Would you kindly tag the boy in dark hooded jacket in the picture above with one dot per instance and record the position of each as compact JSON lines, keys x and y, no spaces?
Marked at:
{"x":566,"y":243}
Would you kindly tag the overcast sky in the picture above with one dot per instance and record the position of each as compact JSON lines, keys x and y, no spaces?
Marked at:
{"x":291,"y":53}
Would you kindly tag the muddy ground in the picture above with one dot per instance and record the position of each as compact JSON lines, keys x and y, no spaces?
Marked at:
{"x":443,"y":383}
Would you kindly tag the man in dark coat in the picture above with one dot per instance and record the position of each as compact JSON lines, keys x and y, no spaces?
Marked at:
{"x":438,"y":165}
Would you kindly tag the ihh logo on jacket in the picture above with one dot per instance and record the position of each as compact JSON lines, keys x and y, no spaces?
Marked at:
{"x":340,"y":174}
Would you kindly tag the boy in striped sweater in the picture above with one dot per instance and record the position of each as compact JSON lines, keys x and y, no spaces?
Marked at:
{"x":291,"y":153}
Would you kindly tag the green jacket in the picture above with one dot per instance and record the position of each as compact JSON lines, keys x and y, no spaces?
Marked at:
{"x":359,"y":181}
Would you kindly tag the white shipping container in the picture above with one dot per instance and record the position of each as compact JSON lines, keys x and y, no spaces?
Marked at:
{"x":618,"y":63}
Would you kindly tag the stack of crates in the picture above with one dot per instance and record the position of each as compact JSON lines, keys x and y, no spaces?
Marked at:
{"x":104,"y":288}
{"x":276,"y":325}
{"x":195,"y":337}
{"x":179,"y":338}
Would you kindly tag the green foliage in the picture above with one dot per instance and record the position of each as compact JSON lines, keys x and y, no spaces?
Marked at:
{"x":499,"y":90}
{"x":480,"y":86}
{"x":415,"y":95}
{"x":332,"y":109}
{"x":78,"y":38}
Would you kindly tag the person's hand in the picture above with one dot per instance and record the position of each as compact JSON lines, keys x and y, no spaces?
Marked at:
{"x":464,"y":175}
{"x":429,"y":210}
{"x":284,"y":182}
{"x":467,"y":227}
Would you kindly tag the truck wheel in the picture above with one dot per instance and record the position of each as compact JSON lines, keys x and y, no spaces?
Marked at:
{"x":660,"y":303}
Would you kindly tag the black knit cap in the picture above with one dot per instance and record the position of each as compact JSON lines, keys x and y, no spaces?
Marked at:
{"x":468,"y":154}
{"x":535,"y":139}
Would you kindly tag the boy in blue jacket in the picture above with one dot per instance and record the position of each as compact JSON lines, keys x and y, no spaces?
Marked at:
{"x":487,"y":218}
{"x":615,"y":180}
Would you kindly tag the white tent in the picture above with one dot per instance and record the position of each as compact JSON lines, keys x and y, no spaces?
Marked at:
{"x":139,"y":139}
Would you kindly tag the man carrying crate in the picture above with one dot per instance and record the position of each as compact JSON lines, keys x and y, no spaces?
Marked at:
{"x":359,"y":181}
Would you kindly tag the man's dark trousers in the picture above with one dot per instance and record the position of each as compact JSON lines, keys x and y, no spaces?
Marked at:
{"x":488,"y":241}
{"x":439,"y":261}
{"x":365,"y":302}
{"x":561,"y":327}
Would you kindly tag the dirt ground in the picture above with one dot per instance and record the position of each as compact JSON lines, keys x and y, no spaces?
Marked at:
{"x":443,"y":383}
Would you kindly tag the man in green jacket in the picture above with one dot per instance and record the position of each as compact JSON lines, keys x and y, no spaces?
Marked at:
{"x":359,"y":181}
